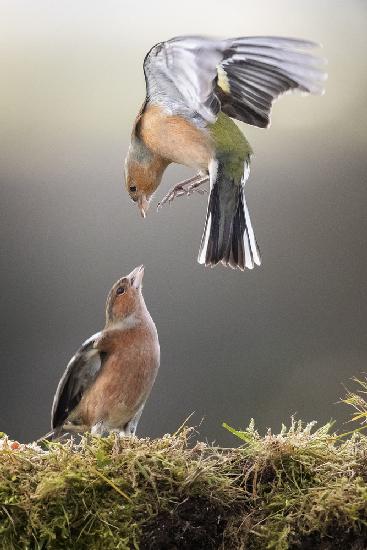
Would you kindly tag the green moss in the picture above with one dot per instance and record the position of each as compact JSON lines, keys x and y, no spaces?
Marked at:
{"x":301,"y":488}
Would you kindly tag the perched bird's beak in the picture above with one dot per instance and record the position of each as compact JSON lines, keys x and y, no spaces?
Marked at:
{"x":136,"y":276}
{"x":143,"y":205}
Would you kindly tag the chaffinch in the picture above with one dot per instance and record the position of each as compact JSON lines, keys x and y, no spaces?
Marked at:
{"x":194,"y":87}
{"x":106,"y":384}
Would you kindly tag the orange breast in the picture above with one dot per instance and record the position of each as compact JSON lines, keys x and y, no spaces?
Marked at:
{"x":175,"y":138}
{"x":125,"y":381}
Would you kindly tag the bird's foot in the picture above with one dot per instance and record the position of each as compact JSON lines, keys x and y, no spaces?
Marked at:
{"x":186,"y":187}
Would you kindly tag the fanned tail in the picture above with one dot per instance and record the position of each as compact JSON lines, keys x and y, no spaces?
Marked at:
{"x":228,"y":235}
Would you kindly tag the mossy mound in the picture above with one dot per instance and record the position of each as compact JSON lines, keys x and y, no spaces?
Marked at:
{"x":302,"y":488}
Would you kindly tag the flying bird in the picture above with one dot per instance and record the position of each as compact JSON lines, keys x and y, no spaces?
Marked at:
{"x":195,"y":86}
{"x":106,"y":384}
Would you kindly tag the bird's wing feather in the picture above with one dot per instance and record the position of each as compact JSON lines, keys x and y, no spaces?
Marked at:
{"x":257,"y":70}
{"x":241,"y":76}
{"x":181,"y":74}
{"x":80,"y":372}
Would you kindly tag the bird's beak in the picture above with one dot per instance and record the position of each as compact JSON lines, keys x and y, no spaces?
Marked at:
{"x":136,"y":276}
{"x":143,"y":205}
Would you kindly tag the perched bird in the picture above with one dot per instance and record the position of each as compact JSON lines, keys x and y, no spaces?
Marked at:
{"x":194,"y":87}
{"x":106,"y":384}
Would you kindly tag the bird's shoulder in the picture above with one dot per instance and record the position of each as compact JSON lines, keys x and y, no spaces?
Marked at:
{"x":171,"y":67}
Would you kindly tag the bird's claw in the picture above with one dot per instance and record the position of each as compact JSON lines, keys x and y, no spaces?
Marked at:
{"x":186,"y":187}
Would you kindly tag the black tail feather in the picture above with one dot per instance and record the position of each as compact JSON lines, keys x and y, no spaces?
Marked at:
{"x":228,"y":235}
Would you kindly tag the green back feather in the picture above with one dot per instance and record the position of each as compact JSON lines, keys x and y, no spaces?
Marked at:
{"x":232,"y":147}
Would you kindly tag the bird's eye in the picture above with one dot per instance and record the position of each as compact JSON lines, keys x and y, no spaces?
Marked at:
{"x":120,"y":290}
{"x":132,"y":188}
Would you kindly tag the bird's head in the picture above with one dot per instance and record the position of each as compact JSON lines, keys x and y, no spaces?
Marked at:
{"x":143,"y":174}
{"x":125,"y":297}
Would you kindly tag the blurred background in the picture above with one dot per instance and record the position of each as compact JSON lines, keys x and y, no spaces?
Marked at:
{"x":279,"y":340}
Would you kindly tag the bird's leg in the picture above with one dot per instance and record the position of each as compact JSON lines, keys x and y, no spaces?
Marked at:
{"x":185,"y":187}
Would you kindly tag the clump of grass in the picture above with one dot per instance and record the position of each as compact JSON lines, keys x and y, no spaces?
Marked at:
{"x":116,"y":493}
{"x":301,"y":488}
{"x":310,"y":486}
{"x":357,"y":400}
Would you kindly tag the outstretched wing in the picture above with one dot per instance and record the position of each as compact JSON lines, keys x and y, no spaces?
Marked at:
{"x":241,"y":76}
{"x":181,"y":73}
{"x":256,"y":71}
{"x":80,"y":372}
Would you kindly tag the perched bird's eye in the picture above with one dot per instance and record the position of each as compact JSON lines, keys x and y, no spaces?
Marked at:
{"x":120,"y":290}
{"x":132,"y":188}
